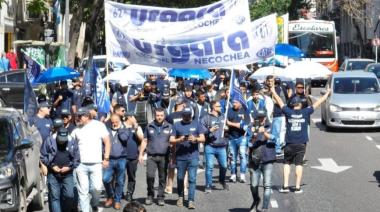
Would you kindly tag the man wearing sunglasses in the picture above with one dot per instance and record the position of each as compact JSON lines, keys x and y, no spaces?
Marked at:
{"x":300,"y":92}
{"x":67,"y":120}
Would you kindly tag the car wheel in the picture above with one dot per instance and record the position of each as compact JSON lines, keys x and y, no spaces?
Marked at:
{"x":22,"y":207}
{"x":2,"y":103}
{"x":38,"y":201}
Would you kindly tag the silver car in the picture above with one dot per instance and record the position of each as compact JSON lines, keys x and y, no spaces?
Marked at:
{"x":354,"y":101}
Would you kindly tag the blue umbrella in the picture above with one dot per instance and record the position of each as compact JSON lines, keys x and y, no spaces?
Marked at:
{"x":57,"y":74}
{"x":190,"y":73}
{"x":288,"y":50}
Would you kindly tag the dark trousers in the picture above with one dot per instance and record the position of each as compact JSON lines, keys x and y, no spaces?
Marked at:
{"x":131,"y":172}
{"x":154,"y":163}
{"x":61,"y":192}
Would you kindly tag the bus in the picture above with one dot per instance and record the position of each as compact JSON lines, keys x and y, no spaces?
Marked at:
{"x":317,"y":39}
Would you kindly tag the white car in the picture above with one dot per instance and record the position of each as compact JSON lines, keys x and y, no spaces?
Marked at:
{"x":100,"y":62}
{"x":355,"y":64}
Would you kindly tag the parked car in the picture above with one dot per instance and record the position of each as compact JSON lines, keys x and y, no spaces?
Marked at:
{"x":355,"y":64}
{"x":100,"y":62}
{"x":12,"y":89}
{"x":20,"y":179}
{"x":354,"y":101}
{"x":374,"y":68}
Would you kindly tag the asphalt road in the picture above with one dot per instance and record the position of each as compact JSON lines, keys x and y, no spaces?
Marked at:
{"x":353,"y":189}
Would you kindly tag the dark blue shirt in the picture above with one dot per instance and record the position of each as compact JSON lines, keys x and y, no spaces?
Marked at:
{"x":297,"y":122}
{"x":132,"y":144}
{"x":119,"y":143}
{"x":78,"y":96}
{"x":158,"y":138}
{"x":65,"y":103}
{"x":174,"y":117}
{"x":44,"y":126}
{"x":186,"y":150}
{"x":237,"y":116}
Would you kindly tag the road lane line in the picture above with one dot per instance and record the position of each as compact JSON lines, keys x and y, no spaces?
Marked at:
{"x":274,"y":203}
{"x":378,"y":146}
{"x":369,"y":138}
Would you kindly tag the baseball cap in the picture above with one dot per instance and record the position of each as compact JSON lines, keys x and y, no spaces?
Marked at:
{"x":295,"y":100}
{"x":165,"y":93}
{"x":261,"y":114}
{"x":189,"y":88}
{"x":186,"y":111}
{"x":82,"y":111}
{"x":62,"y":134}
{"x":44,"y":104}
{"x":57,"y":123}
{"x":65,"y":112}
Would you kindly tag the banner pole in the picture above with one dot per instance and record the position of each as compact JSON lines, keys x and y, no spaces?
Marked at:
{"x":228,"y":102}
{"x":107,"y":59}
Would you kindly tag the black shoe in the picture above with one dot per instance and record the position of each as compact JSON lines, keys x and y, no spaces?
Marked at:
{"x":226,"y":186}
{"x":149,"y":200}
{"x":254,"y":205}
{"x":161,"y":202}
{"x":128,"y":197}
{"x":95,"y":208}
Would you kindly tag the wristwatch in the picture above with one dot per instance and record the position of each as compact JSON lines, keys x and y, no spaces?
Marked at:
{"x":106,"y":159}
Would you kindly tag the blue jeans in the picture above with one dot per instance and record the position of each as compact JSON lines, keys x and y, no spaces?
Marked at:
{"x":234,"y":146}
{"x":116,"y":167}
{"x":221,"y":155}
{"x":191,"y":166}
{"x":276,"y":132}
{"x":61,"y":192}
{"x":255,"y":172}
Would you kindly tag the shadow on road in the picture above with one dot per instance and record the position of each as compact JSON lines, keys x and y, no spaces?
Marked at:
{"x":239,"y":210}
{"x":376,"y":174}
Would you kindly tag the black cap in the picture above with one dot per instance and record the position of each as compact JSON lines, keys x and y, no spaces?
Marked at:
{"x":186,"y":111}
{"x":65,"y":112}
{"x":92,"y":107}
{"x":261,"y":114}
{"x":189,"y":88}
{"x":87,"y":100}
{"x":165,"y":93}
{"x":62,"y":135}
{"x":295,"y":100}
{"x":57,"y":123}
{"x":83,"y":111}
{"x":44,"y":104}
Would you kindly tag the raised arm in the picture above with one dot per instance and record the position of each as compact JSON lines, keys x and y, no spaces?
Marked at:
{"x":322,"y":99}
{"x":276,"y":97}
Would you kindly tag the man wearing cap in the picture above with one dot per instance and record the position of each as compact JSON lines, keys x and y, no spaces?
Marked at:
{"x":78,"y":93}
{"x":237,"y":122}
{"x":118,"y":161}
{"x":186,"y":135}
{"x":190,"y":102}
{"x":63,"y":99}
{"x":300,"y":92}
{"x":256,"y":102}
{"x":94,"y":145}
{"x":262,"y":155}
{"x":296,"y":136}
{"x":210,"y":91}
{"x":215,"y":145}
{"x":41,"y":120}
{"x":156,"y":142}
{"x":67,"y":121}
{"x":60,"y":153}
{"x":164,"y":102}
{"x":133,"y":143}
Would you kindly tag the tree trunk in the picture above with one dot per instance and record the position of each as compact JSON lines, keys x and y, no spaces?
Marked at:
{"x":75,"y":25}
{"x":359,"y":36}
{"x":93,"y":26}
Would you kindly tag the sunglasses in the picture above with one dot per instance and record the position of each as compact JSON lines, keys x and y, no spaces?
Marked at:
{"x":300,"y":88}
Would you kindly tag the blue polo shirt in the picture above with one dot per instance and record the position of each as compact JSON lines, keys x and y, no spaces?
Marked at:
{"x":297,"y":122}
{"x":158,"y":138}
{"x":186,"y":150}
{"x":240,"y":116}
{"x":44,"y":126}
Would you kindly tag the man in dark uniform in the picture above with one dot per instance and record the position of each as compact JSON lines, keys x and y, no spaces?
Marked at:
{"x":67,"y":120}
{"x":187,"y":134}
{"x":41,"y":120}
{"x":78,"y":94}
{"x":156,"y":142}
{"x":133,"y":143}
{"x":63,"y":99}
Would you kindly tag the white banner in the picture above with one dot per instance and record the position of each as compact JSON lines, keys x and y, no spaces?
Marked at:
{"x":146,"y":22}
{"x":231,"y":47}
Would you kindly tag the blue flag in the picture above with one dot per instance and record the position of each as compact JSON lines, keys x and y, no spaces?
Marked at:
{"x":33,"y":69}
{"x":101,"y":98}
{"x":30,"y":100}
{"x":235,"y":92}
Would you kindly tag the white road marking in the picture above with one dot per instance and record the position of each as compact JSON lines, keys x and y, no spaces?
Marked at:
{"x":316,"y":120}
{"x":378,"y":146}
{"x":369,"y":138}
{"x":274,"y":203}
{"x":329,"y":165}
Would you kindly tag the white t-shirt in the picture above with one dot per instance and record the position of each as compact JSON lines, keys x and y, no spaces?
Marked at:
{"x":89,"y":138}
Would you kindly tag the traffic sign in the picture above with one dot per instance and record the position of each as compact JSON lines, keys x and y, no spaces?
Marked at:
{"x":376,"y":41}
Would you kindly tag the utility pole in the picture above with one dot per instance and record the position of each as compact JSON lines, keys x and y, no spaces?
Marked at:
{"x":67,"y":28}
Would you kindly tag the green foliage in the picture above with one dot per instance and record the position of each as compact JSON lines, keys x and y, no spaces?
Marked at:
{"x":264,"y":7}
{"x":172,"y":3}
{"x":36,"y":8}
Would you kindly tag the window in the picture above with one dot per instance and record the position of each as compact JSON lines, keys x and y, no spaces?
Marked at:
{"x":17,"y":77}
{"x":5,"y":139}
{"x":2,"y":79}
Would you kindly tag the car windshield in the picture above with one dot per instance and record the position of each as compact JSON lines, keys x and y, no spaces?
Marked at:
{"x":5,"y":140}
{"x":357,"y":65}
{"x":374,"y":69}
{"x":356,"y":85}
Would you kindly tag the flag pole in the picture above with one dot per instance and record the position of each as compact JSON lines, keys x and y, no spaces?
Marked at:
{"x":107,"y":59}
{"x":228,"y":102}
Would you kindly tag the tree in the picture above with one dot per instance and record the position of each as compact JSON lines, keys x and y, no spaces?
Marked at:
{"x":263,"y":7}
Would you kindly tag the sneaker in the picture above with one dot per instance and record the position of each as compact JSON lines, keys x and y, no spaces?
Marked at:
{"x":180,"y":202}
{"x":233,"y":178}
{"x":161,"y":202}
{"x":191,"y":205}
{"x":149,"y":200}
{"x":128,"y":197}
{"x":207,"y":190}
{"x":242,"y":178}
{"x":298,"y":190}
{"x":225,"y":186}
{"x":167,"y":191}
{"x":284,"y":189}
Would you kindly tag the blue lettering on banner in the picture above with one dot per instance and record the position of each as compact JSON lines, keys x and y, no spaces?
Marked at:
{"x":139,"y":16}
{"x":125,"y":54}
{"x":221,"y":58}
{"x":264,"y":52}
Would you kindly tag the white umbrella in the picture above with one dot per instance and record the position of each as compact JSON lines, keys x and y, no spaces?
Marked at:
{"x":238,"y":67}
{"x":146,"y":70}
{"x":125,"y":77}
{"x":261,"y":73}
{"x":306,"y":69}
